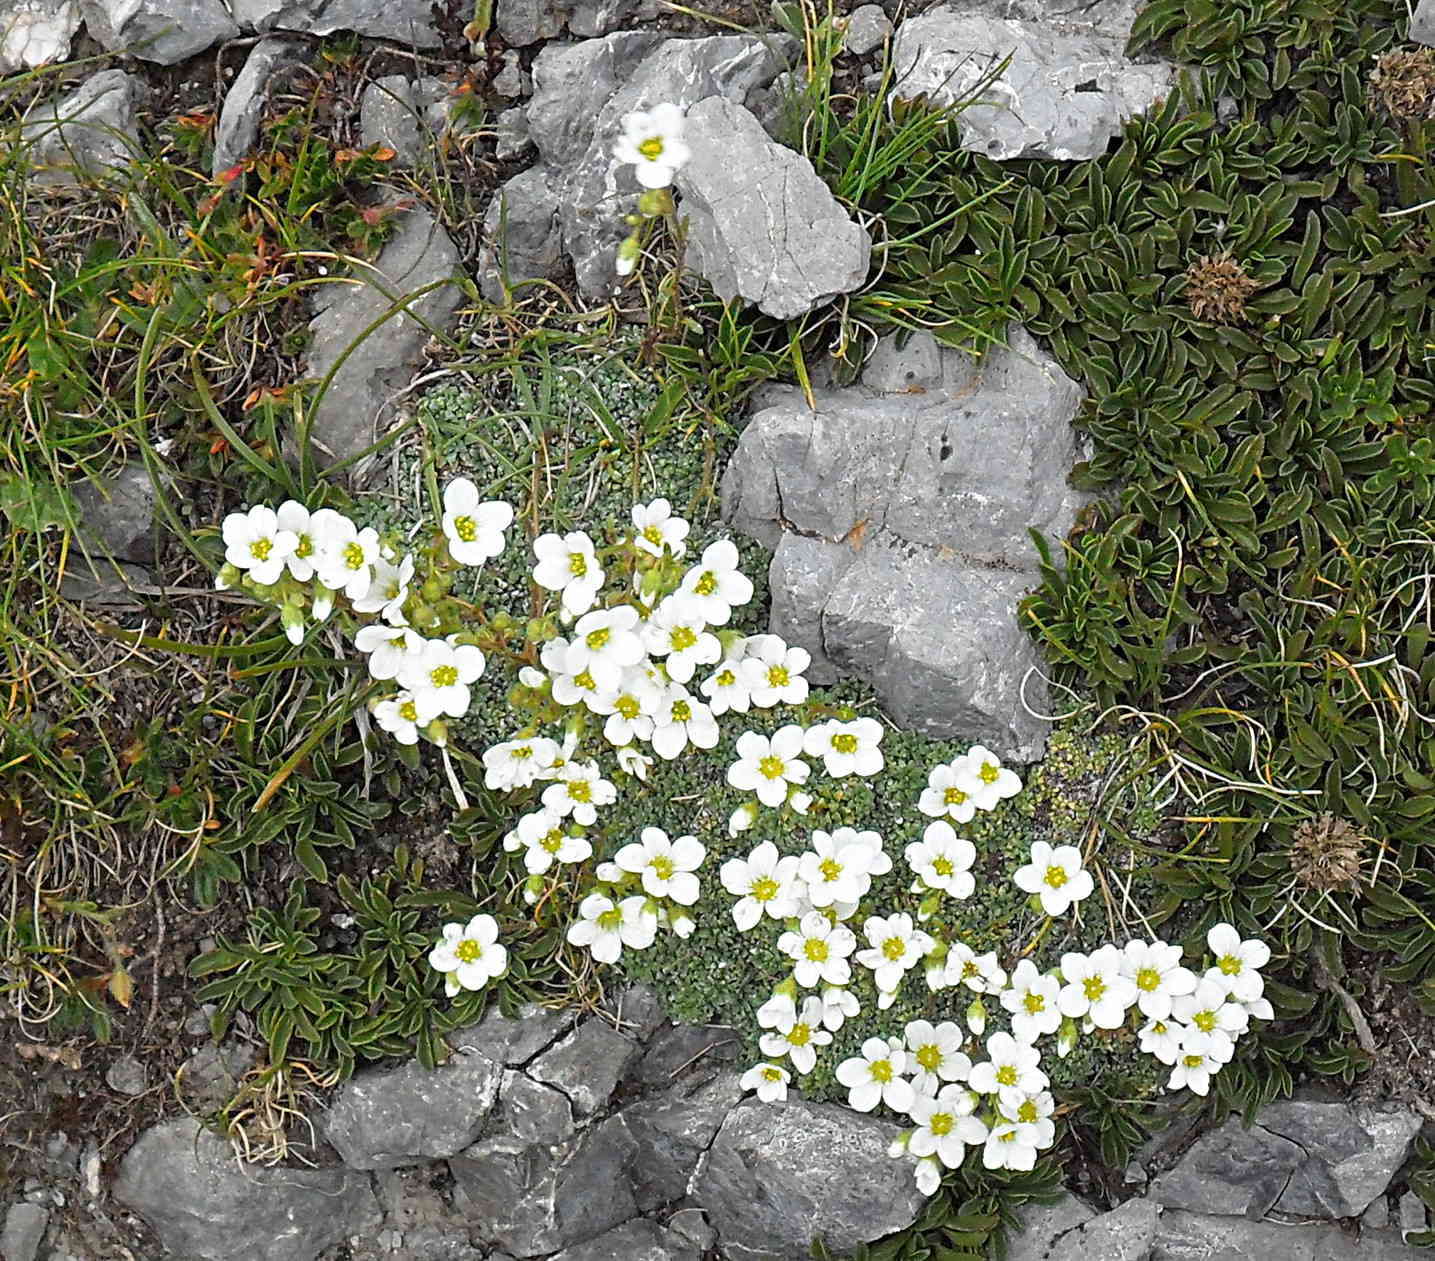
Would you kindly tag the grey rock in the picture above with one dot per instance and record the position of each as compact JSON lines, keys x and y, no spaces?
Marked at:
{"x":692,"y":1224}
{"x":685,"y":1051}
{"x":524,"y":234}
{"x":116,"y":514}
{"x":1413,"y":1217}
{"x":1067,"y":92}
{"x":587,"y":1065}
{"x":403,"y":21}
{"x":670,"y":1132}
{"x":406,"y":115}
{"x":1185,"y":1236}
{"x":211,"y":1076}
{"x":1351,"y":1153}
{"x":779,"y":1175}
{"x":1422,"y":22}
{"x":899,"y":528}
{"x":533,"y":1112}
{"x":524,"y":22}
{"x":126,"y":1076}
{"x":867,"y":26}
{"x":24,"y":1230}
{"x":96,"y":579}
{"x":1046,"y":1227}
{"x":1231,"y":1170}
{"x":511,"y":80}
{"x":203,"y":1204}
{"x":762,"y":225}
{"x":163,"y":31}
{"x":238,"y":126}
{"x":36,"y":32}
{"x":418,"y":255}
{"x":1377,"y":1216}
{"x":91,"y":134}
{"x":590,"y":19}
{"x":514,"y":1042}
{"x":1124,"y":1234}
{"x":638,"y":1240}
{"x":513,"y":138}
{"x":637,"y":1012}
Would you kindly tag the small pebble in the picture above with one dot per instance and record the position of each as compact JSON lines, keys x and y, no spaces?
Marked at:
{"x":126,"y":1076}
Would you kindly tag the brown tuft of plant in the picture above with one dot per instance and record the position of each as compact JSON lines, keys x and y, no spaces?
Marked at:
{"x":1327,"y":853}
{"x":1403,"y":84}
{"x":1217,"y":288}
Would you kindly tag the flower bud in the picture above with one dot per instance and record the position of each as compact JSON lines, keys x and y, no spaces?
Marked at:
{"x":627,"y":260}
{"x":977,"y":1018}
{"x":1066,"y":1038}
{"x":742,"y":818}
{"x":681,"y":923}
{"x":898,"y":1146}
{"x":800,"y":801}
{"x":437,"y":731}
{"x":227,"y":577}
{"x":532,"y":678}
{"x":656,"y":201}
{"x":323,"y":604}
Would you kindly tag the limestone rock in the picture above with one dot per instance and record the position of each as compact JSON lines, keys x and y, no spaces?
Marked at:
{"x":685,"y":1051}
{"x":1182,"y":1236}
{"x":405,"y":1116}
{"x":762,"y":226}
{"x":670,"y":1132}
{"x":639,"y":1240}
{"x":1067,"y":92}
{"x":163,"y":31}
{"x":24,"y":1230}
{"x":867,"y":26}
{"x":116,"y":513}
{"x":1231,"y":1170}
{"x":89,"y":134}
{"x":403,"y":114}
{"x":533,"y":1112}
{"x":243,"y":107}
{"x":185,"y":1182}
{"x":779,"y":1175}
{"x":403,"y":21}
{"x":586,"y":1065}
{"x":211,"y":1076}
{"x":1124,"y":1234}
{"x":418,"y":255}
{"x":126,"y":1076}
{"x":522,"y":226}
{"x":1045,"y":1228}
{"x":1422,"y":22}
{"x":514,"y":1042}
{"x":525,"y":22}
{"x":36,"y":32}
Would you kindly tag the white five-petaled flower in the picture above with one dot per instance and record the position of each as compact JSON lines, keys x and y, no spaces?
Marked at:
{"x":945,"y":1125}
{"x":934,"y":1055}
{"x":928,"y":1173}
{"x":629,"y":708}
{"x":1033,"y":1114}
{"x":986,"y":780}
{"x":677,"y":632}
{"x":635,"y":763}
{"x":1056,"y":876}
{"x":727,"y":687}
{"x":945,"y":797}
{"x":517,"y":763}
{"x":1096,"y":987}
{"x":846,"y":748}
{"x":568,"y":564}
{"x":652,"y":141}
{"x":605,"y":643}
{"x":838,"y":1006}
{"x":797,"y":1035}
{"x":606,"y":927}
{"x":838,"y":867}
{"x":763,"y":883}
{"x":1198,"y":1058}
{"x":666,"y":866}
{"x":875,"y":1076}
{"x":439,"y":673}
{"x":1239,"y":961}
{"x":774,"y":671}
{"x":1009,"y":1145}
{"x":768,"y":767}
{"x":1032,"y":1000}
{"x":254,"y":541}
{"x":388,"y":648}
{"x":402,"y":717}
{"x":542,"y":837}
{"x":474,"y":530}
{"x":943,"y":860}
{"x":655,"y":528}
{"x":294,"y":517}
{"x":894,"y":946}
{"x":1011,"y":1071}
{"x":1154,"y":967}
{"x":344,"y":555}
{"x":470,"y":953}
{"x":1209,"y":1009}
{"x":819,"y":950}
{"x":1162,"y":1038}
{"x":388,"y":589}
{"x":716,"y":583}
{"x":579,"y":789}
{"x":780,"y":1007}
{"x":768,"y":1080}
{"x":979,"y":973}
{"x":679,"y":720}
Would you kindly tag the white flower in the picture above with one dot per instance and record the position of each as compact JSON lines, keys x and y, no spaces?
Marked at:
{"x":780,"y":1009}
{"x":254,"y":541}
{"x":1209,"y":1010}
{"x":1056,"y":876}
{"x":665,"y":866}
{"x":655,"y":528}
{"x":1239,"y":961}
{"x":743,"y":817}
{"x":942,"y":860}
{"x":945,"y":1125}
{"x":1162,"y":1038}
{"x":727,"y":688}
{"x":838,"y":1006}
{"x":846,"y":748}
{"x":439,"y":673}
{"x":875,"y":1076}
{"x":768,"y":766}
{"x":579,"y":790}
{"x":630,"y":708}
{"x":568,"y":564}
{"x":838,"y":867}
{"x":575,"y":688}
{"x":652,"y":141}
{"x":819,"y":950}
{"x":470,"y":953}
{"x":294,"y":518}
{"x":517,"y":763}
{"x":979,"y":973}
{"x":625,"y":264}
{"x":605,"y":928}
{"x":798,"y":1038}
{"x":679,"y":721}
{"x":928,"y":1172}
{"x":935,"y":1055}
{"x":605,"y":643}
{"x":541,"y":836}
{"x":1096,"y":987}
{"x":769,"y":1080}
{"x":763,"y":883}
{"x":389,"y":649}
{"x":676,"y":632}
{"x":774,"y":671}
{"x":1009,"y":1145}
{"x":1155,"y":969}
{"x":944,"y":796}
{"x":474,"y":530}
{"x":1256,"y":1009}
{"x":1033,"y":1116}
{"x":388,"y":590}
{"x":1199,"y":1058}
{"x":1011,"y":1070}
{"x":635,"y":763}
{"x":987,"y":782}
{"x":344,"y":555}
{"x":716,"y":583}
{"x":401,"y":717}
{"x":895,"y":946}
{"x":1032,"y":1001}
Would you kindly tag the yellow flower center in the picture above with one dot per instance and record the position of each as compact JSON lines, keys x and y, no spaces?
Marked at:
{"x":707,"y":584}
{"x":726,"y":679}
{"x":1093,"y":987}
{"x":552,"y":841}
{"x":584,"y":680}
{"x":1229,"y":965}
{"x":628,"y":706}
{"x":260,"y":548}
{"x":930,"y":1056}
{"x":522,"y":752}
{"x":970,"y":970}
{"x":844,"y":743}
{"x":815,"y":949}
{"x":443,"y":676}
{"x":777,"y":676}
{"x":580,"y":790}
{"x":1148,"y":979}
{"x":468,"y":951}
{"x":881,"y":1070}
{"x":610,"y":919}
{"x":894,"y":948}
{"x":305,"y":547}
{"x":1205,"y":1021}
{"x":682,"y":638}
{"x":830,"y":869}
{"x":1158,"y":1027}
{"x":942,"y":866}
{"x":652,"y":149}
{"x":988,"y":773}
{"x":577,"y":564}
{"x":800,"y":1035}
{"x":353,"y":556}
{"x":772,"y":767}
{"x":663,"y":867}
{"x":466,"y":528}
{"x":940,"y":1123}
{"x":1056,"y":876}
{"x":1193,"y":1061}
{"x":771,"y":1072}
{"x":595,"y":639}
{"x":1027,"y":1113}
{"x":1006,"y":1075}
{"x":409,"y":712}
{"x":1034,"y":1003}
{"x":765,"y":889}
{"x":683,"y":712}
{"x":953,"y":797}
{"x":652,"y":533}
{"x":1007,"y":1136}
